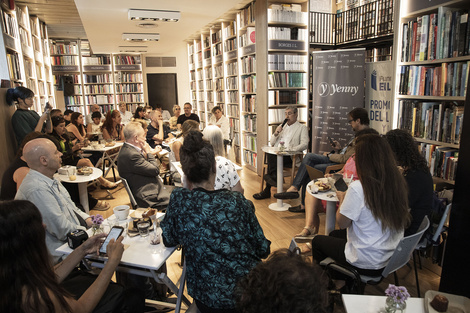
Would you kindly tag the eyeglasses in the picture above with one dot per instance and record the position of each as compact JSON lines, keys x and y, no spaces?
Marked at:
{"x":290,"y":113}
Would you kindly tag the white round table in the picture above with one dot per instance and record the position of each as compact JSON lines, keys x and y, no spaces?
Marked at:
{"x":279,"y":205}
{"x":331,"y":199}
{"x":82,"y":181}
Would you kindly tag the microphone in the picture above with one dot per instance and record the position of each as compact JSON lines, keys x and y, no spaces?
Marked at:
{"x":284,"y":123}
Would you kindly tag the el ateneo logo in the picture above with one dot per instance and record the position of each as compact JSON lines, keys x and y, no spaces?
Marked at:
{"x":373,"y":80}
{"x":324,"y":89}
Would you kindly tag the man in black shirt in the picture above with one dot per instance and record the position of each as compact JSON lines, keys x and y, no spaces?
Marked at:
{"x":186,"y":116}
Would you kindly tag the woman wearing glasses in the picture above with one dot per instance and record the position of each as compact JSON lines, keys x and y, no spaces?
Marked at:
{"x":25,"y":120}
{"x":174,"y":118}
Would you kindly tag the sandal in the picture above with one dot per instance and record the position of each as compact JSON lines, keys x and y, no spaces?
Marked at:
{"x":102,"y":206}
{"x":108,"y":185}
{"x":306,"y":233}
{"x":306,"y":249}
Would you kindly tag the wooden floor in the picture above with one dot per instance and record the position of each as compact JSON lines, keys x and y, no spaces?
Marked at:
{"x":279,"y":228}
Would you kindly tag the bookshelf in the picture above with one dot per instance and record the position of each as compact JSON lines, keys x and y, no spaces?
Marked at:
{"x":433,"y":60}
{"x":128,"y":80}
{"x":12,"y":45}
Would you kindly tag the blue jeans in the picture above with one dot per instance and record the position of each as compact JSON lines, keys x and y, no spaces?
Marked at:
{"x":317,"y":161}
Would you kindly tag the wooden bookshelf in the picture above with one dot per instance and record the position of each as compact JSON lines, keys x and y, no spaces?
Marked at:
{"x":128,"y":80}
{"x":432,"y":76}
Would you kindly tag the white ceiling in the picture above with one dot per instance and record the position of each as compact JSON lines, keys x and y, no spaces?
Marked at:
{"x":106,"y":20}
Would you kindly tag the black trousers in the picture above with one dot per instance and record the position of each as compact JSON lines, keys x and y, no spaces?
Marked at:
{"x":272,"y":164}
{"x":333,"y":246}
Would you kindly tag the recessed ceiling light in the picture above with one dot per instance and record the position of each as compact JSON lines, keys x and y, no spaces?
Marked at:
{"x":141,"y":36}
{"x":154,"y":15}
{"x":147,"y":25}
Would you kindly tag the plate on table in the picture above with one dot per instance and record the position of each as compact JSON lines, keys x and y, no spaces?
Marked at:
{"x":322,"y":187}
{"x":457,"y":304}
{"x":138,"y":212}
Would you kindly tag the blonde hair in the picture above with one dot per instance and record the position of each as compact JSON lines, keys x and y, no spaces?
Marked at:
{"x":214,"y":135}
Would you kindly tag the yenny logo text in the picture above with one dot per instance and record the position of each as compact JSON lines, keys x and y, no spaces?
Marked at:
{"x":325,"y":89}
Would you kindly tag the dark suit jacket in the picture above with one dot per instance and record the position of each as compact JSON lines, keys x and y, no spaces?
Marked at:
{"x":142,"y":175}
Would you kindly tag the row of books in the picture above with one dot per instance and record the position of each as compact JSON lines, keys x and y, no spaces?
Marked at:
{"x":249,"y":123}
{"x":74,"y":78}
{"x":64,"y":48}
{"x":232,"y":96}
{"x":219,"y":96}
{"x":249,"y":103}
{"x":249,"y":83}
{"x":232,"y":82}
{"x":129,"y":88}
{"x":287,"y":62}
{"x":442,"y":160}
{"x":230,"y":30}
{"x":247,"y":38}
{"x":98,"y":78}
{"x":247,"y":15}
{"x":286,"y":13}
{"x":73,"y":100}
{"x":99,"y":99}
{"x":248,"y":64}
{"x":14,"y":65}
{"x":232,"y":68}
{"x":24,"y":37}
{"x":127,"y":59}
{"x":439,"y":121}
{"x":234,"y":124}
{"x":445,"y":34}
{"x":280,"y":79}
{"x":9,"y":25}
{"x":219,"y":83}
{"x":97,"y":60}
{"x":448,"y":79}
{"x":64,"y":60}
{"x":249,"y":142}
{"x":98,"y":88}
{"x":131,"y":98}
{"x":250,"y":157}
{"x":287,"y":33}
{"x":232,"y":110}
{"x":230,"y":44}
{"x":279,"y":97}
{"x":209,"y":84}
{"x":128,"y":77}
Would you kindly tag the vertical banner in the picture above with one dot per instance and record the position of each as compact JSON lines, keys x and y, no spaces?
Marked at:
{"x":338,"y":87}
{"x":379,"y":95}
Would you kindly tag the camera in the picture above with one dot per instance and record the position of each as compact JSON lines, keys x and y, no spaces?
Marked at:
{"x":76,"y":238}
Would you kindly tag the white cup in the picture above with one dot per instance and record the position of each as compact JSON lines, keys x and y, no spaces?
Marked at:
{"x":121,"y":212}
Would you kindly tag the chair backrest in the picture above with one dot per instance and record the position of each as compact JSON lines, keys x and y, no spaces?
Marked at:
{"x":438,"y":230}
{"x":129,"y":192}
{"x":405,"y":248}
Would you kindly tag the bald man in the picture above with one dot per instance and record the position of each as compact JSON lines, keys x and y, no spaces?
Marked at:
{"x":59,"y":213}
{"x":93,"y":108}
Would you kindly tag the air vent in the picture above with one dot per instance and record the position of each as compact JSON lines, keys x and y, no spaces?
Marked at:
{"x":160,"y":61}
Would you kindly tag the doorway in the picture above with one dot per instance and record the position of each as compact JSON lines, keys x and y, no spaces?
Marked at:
{"x":162,"y":90}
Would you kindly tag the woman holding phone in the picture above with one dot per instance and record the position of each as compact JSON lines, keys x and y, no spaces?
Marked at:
{"x":373,"y":212}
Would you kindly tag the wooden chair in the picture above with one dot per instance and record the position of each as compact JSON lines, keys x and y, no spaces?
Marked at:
{"x":285,"y":170}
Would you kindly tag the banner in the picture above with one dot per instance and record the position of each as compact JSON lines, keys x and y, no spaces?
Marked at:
{"x":338,"y":87}
{"x":379,"y":95}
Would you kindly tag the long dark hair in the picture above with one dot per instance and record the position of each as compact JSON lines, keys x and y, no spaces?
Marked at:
{"x":73,"y":120}
{"x":137,"y":111}
{"x":197,"y":157}
{"x":385,"y":191}
{"x":13,"y":94}
{"x":26,"y":264}
{"x":108,"y":122}
{"x":406,"y":151}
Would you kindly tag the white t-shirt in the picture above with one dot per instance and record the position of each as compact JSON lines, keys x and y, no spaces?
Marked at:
{"x":223,"y":123}
{"x":125,"y":117}
{"x":367,"y":246}
{"x":226,"y":176}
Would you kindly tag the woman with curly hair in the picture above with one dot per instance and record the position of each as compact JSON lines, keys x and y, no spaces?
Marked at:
{"x":373,"y":212}
{"x":187,"y":127}
{"x":76,"y":129}
{"x":218,"y":229}
{"x":112,"y":128}
{"x":284,"y":283}
{"x":416,"y":173}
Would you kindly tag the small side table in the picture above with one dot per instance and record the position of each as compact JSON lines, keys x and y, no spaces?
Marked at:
{"x":331,"y":199}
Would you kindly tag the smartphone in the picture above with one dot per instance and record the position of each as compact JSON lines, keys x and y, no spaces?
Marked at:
{"x":332,"y":142}
{"x":341,"y":185}
{"x":114,"y":233}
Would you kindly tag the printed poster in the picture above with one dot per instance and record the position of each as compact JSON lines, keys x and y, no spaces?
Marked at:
{"x":379,"y":95}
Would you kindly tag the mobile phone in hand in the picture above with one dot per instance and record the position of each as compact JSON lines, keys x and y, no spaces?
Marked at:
{"x":332,"y":142}
{"x":341,"y":185}
{"x":114,"y":233}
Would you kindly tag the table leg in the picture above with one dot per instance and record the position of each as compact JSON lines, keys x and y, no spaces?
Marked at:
{"x":279,"y":205}
{"x":83,"y":193}
{"x":330,"y":220}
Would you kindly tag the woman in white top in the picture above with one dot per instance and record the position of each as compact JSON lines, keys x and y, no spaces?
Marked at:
{"x":226,"y":175}
{"x":221,"y":121}
{"x":374,"y":211}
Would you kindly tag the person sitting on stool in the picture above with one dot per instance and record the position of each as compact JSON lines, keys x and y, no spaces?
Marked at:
{"x":295,"y":137}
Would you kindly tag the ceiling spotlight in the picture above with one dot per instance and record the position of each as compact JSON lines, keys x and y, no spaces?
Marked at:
{"x":140,"y":37}
{"x":147,"y":25}
{"x":154,"y":15}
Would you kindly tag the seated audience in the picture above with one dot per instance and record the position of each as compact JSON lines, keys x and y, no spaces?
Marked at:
{"x":186,"y":116}
{"x":284,"y":283}
{"x":165,"y":114}
{"x":59,"y":213}
{"x":76,"y":128}
{"x":67,"y":116}
{"x":25,"y":120}
{"x":373,"y":212}
{"x":147,"y":110}
{"x":139,"y":113}
{"x":218,"y":229}
{"x":157,"y":131}
{"x":358,"y":118}
{"x":178,"y":142}
{"x":112,"y":128}
{"x":417,"y":176}
{"x":227,"y":176}
{"x":55,"y":112}
{"x":93,"y":108}
{"x":125,"y":115}
{"x":174,"y":118}
{"x":140,"y":168}
{"x":293,"y":136}
{"x":221,"y":121}
{"x":94,"y":128}
{"x":34,"y":285}
{"x":313,"y":205}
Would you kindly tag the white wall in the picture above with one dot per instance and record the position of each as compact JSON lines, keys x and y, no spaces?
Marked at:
{"x":181,"y":70}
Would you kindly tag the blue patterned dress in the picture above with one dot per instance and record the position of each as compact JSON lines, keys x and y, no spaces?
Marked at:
{"x":222,"y":239}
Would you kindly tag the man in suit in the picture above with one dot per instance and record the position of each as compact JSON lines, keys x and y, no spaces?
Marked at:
{"x":140,"y":168}
{"x":294,"y":136}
